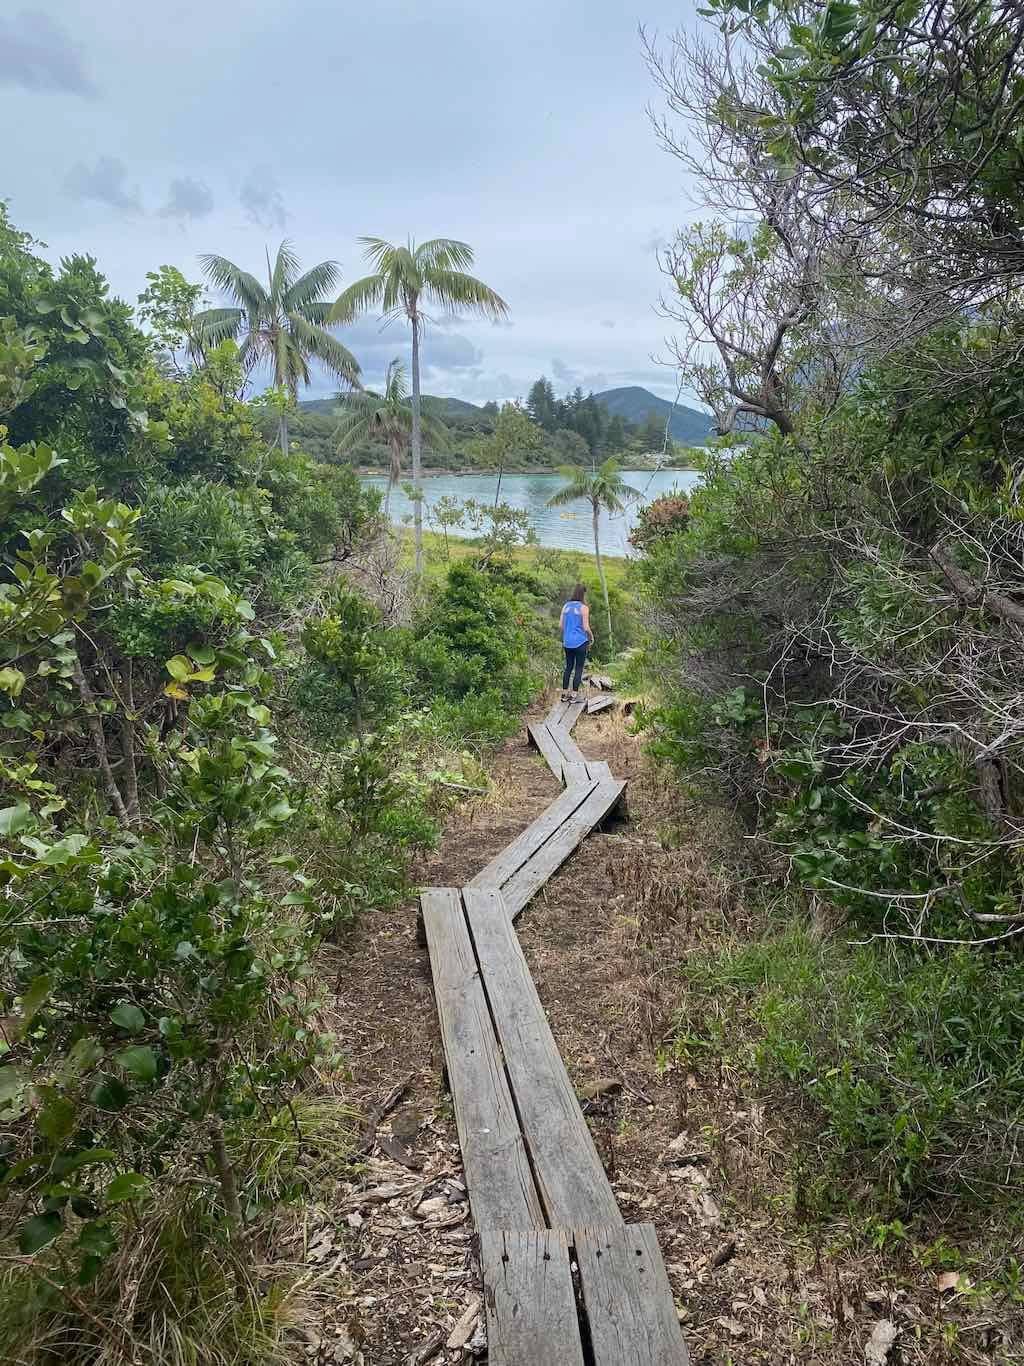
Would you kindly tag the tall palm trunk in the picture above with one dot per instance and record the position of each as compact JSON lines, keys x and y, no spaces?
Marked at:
{"x":600,"y":574}
{"x":282,"y":432}
{"x":417,"y":477}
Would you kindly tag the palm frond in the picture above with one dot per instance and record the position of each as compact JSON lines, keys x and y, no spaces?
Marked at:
{"x":289,"y":363}
{"x":352,"y":430}
{"x":242,"y":286}
{"x":395,"y":388}
{"x":444,"y":253}
{"x":377,"y":251}
{"x":215,"y":325}
{"x":312,"y":288}
{"x":454,"y":290}
{"x":317,"y":341}
{"x":405,"y":270}
{"x":360,"y":297}
{"x":286,"y":267}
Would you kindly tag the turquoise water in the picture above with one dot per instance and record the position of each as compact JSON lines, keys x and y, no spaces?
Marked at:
{"x":565,"y":528}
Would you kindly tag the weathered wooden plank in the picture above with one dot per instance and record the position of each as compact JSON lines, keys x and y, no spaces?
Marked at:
{"x":551,"y":855}
{"x":570,"y":750}
{"x":598,"y":769}
{"x":596,"y":704}
{"x":555,"y":715}
{"x":553,"y":757}
{"x":514,"y":855}
{"x":574,"y":774}
{"x":502,"y":1191}
{"x":570,"y":1178}
{"x":602,"y":681}
{"x":627,"y":1298}
{"x":530,"y":1305}
{"x":573,"y":712}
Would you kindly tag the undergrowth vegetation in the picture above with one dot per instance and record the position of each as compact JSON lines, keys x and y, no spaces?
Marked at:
{"x":214,"y":756}
{"x":834,"y":620}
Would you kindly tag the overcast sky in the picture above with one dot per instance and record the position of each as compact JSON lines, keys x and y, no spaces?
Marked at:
{"x":147,"y":133}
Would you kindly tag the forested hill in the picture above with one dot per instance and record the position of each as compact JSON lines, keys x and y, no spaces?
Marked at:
{"x":444,"y":407}
{"x":634,"y":404}
{"x":689,"y":426}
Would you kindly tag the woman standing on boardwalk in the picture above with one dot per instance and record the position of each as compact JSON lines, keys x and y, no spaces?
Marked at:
{"x":574,"y":625}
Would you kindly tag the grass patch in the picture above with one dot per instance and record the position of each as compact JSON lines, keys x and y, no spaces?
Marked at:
{"x":525,"y":557}
{"x":910,"y":1065}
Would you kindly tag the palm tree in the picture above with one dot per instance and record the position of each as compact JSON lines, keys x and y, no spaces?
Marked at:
{"x":603,"y":487}
{"x":284,"y":323}
{"x":386,"y":417}
{"x":404,"y":278}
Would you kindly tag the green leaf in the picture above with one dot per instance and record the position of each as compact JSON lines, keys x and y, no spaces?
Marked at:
{"x":179,"y":667}
{"x":88,"y":1157}
{"x":129,"y":1017}
{"x":14,"y":1082}
{"x":33,"y":998}
{"x":12,"y":681}
{"x":109,"y":1094}
{"x":38,"y":1232}
{"x":97,"y":1238}
{"x":139,"y":1060}
{"x":127,"y":1186}
{"x":56,"y":1119}
{"x":14,"y":819}
{"x":202,"y":654}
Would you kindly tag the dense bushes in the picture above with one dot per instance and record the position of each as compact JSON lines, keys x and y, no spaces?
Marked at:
{"x":837,"y":632}
{"x":910,"y":1064}
{"x":193,"y":798}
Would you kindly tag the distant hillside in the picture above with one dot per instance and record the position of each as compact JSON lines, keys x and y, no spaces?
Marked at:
{"x":689,"y":426}
{"x":445,"y":407}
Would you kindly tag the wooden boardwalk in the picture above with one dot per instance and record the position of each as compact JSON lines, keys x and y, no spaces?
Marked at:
{"x":566,"y":1281}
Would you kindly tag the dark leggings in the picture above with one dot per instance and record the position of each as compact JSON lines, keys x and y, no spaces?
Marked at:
{"x":575,"y":658}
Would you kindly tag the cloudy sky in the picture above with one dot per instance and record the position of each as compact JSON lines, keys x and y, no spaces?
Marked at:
{"x":147,"y":133}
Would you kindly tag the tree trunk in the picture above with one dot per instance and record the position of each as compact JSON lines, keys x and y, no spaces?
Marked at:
{"x":417,"y":473}
{"x":94,"y":722}
{"x":600,"y":575}
{"x":282,"y":432}
{"x":497,"y":491}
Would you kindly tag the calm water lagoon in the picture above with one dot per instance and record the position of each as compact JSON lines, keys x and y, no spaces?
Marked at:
{"x":565,"y":528}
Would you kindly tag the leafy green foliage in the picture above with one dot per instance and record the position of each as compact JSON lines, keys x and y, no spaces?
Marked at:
{"x":472,"y":641}
{"x":170,"y":855}
{"x":909,"y":1066}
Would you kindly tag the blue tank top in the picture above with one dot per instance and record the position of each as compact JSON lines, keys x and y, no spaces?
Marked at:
{"x":573,"y":634}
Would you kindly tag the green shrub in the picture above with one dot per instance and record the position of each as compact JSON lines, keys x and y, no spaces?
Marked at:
{"x":911,"y":1065}
{"x":472,"y":639}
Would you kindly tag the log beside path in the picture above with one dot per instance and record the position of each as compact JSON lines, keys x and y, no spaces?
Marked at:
{"x":566,"y":1281}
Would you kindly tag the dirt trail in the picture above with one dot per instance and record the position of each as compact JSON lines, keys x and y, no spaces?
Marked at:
{"x":689,"y":1150}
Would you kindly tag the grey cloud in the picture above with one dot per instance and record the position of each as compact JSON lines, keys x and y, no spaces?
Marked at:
{"x":187,"y":198}
{"x":608,"y":322}
{"x":451,"y":351}
{"x":105,"y":183}
{"x":561,"y":371}
{"x":596,"y":381}
{"x":262,"y":200}
{"x":37,"y":54}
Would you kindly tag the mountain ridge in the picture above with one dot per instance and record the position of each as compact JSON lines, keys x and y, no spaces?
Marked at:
{"x":689,"y":426}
